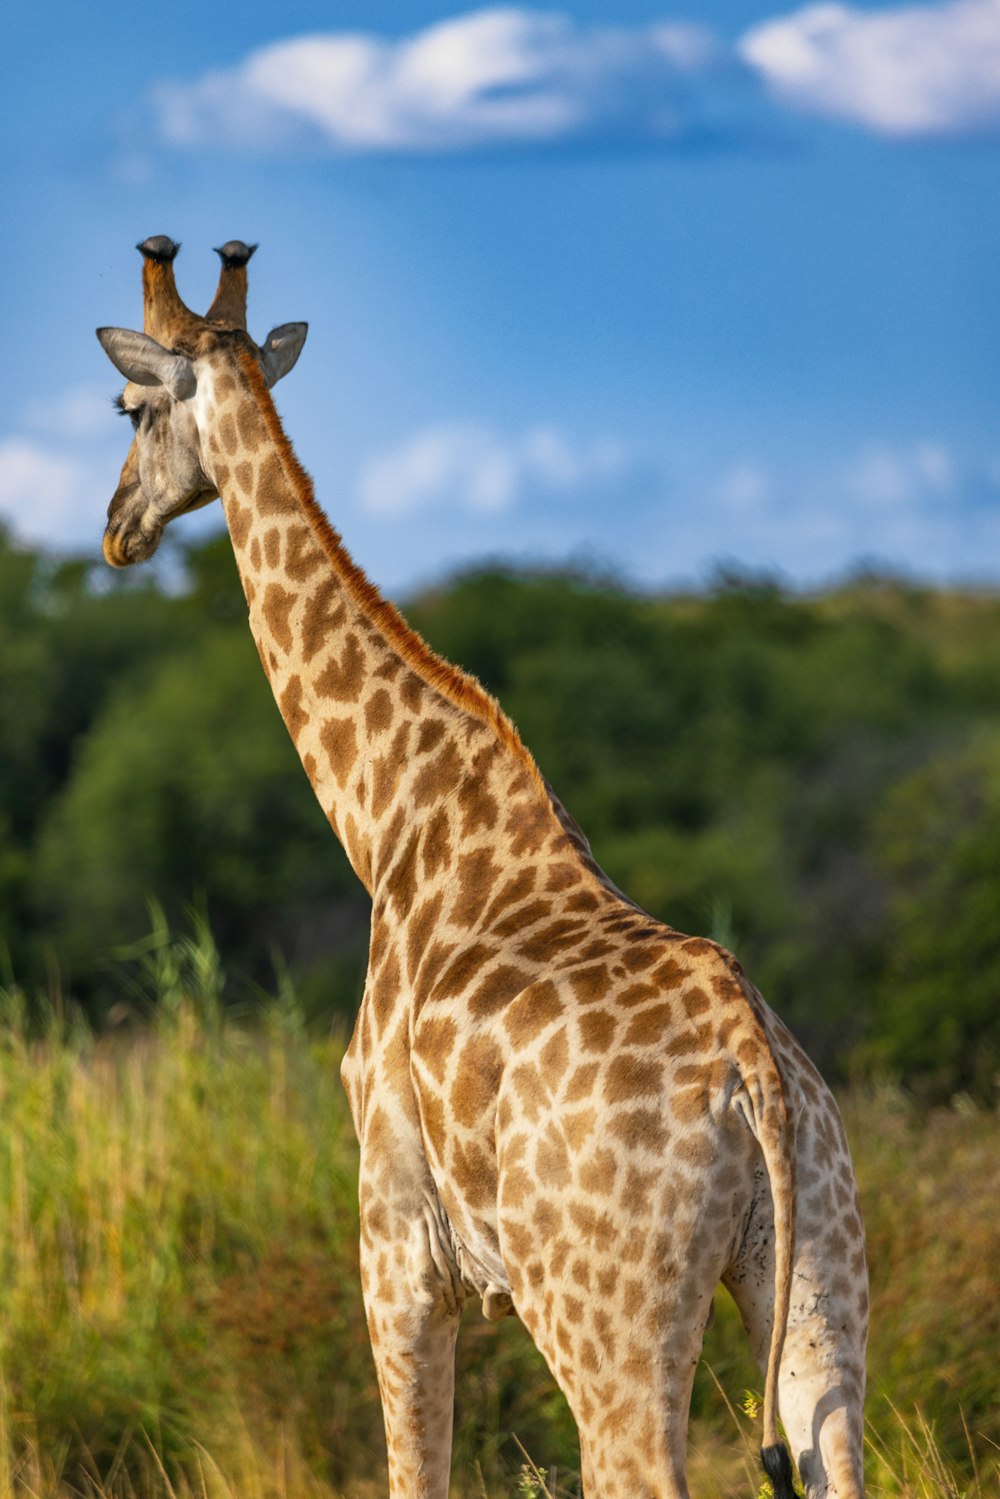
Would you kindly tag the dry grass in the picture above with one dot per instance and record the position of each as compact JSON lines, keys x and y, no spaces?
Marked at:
{"x":179,"y":1305}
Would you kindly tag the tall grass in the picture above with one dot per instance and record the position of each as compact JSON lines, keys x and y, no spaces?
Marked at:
{"x":179,"y":1304}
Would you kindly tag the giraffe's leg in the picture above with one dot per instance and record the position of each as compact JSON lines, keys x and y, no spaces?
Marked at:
{"x":633,"y":1409}
{"x":822,"y":1375}
{"x":413,"y":1303}
{"x":414,"y":1353}
{"x":620,"y":1316}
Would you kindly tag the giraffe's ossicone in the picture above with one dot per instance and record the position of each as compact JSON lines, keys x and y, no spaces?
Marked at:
{"x":564,"y":1107}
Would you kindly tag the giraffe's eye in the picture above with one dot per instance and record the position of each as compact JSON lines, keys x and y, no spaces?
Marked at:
{"x":134,"y":413}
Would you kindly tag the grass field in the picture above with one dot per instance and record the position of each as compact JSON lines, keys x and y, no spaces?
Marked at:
{"x":179,"y":1304}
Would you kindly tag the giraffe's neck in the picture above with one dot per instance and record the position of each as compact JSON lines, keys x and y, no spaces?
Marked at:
{"x":402,"y":750}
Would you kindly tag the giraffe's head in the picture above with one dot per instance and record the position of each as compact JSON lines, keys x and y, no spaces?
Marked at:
{"x":164,"y":474}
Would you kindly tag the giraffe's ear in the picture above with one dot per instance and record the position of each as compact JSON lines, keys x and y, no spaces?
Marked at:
{"x":281,"y":348}
{"x":141,"y":359}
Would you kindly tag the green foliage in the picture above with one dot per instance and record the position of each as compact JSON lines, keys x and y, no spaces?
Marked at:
{"x":939,"y":838}
{"x":810,"y":779}
{"x":189,"y":782}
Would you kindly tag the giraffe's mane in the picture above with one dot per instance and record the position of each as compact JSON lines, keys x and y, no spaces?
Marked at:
{"x":457,"y":686}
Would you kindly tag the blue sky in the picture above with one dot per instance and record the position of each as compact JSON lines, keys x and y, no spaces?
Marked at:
{"x":644,"y":286}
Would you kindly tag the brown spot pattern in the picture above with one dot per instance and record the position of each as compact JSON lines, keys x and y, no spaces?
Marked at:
{"x":292,"y":711}
{"x":571,"y":1057}
{"x":339,"y":740}
{"x":342,"y":679}
{"x":276,"y":607}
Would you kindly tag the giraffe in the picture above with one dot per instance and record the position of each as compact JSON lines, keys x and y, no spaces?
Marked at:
{"x":564,"y":1107}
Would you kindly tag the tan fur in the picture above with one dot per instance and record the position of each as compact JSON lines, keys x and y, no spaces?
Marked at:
{"x":564,"y":1107}
{"x":164,"y":315}
{"x":229,"y":305}
{"x":460,"y":688}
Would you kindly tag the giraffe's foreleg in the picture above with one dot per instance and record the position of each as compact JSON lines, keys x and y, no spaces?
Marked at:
{"x":413,"y":1304}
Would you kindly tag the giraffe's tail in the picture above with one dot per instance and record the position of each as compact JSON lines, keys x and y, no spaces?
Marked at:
{"x":773,"y":1127}
{"x":778,"y":1467}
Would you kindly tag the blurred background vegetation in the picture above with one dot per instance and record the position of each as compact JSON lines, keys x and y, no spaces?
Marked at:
{"x":815,"y":781}
{"x":812,"y":780}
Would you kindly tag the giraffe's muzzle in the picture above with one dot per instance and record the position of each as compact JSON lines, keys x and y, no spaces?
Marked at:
{"x":127,"y":543}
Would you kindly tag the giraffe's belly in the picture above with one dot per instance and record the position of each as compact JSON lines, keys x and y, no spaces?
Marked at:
{"x":475,"y":1246}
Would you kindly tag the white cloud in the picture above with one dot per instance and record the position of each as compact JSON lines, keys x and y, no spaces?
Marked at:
{"x":899,"y":476}
{"x":38,"y":490}
{"x":548,"y":458}
{"x":493,"y":76}
{"x":935,"y":466}
{"x":921,"y":505}
{"x":467,"y":466}
{"x":911,"y":71}
{"x":453,"y":464}
{"x":513,"y":76}
{"x":915,"y":505}
{"x":744,"y":487}
{"x":58,"y":472}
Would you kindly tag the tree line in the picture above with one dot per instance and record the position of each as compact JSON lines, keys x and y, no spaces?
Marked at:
{"x":812,"y":780}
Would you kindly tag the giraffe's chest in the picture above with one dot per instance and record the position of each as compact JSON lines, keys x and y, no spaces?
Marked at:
{"x":463,"y":1167}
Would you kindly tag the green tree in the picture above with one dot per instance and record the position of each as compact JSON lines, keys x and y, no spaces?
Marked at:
{"x":938,"y":1020}
{"x":189,"y":787}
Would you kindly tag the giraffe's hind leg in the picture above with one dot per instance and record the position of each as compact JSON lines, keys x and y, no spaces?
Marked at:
{"x":822,"y":1375}
{"x":633,"y":1411}
{"x":621,"y":1325}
